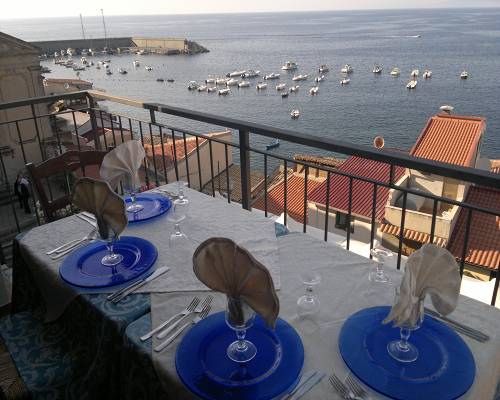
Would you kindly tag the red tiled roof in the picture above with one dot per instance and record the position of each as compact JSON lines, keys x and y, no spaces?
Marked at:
{"x":168,"y":149}
{"x":412,"y":235}
{"x":295,"y":197}
{"x":362,"y":192}
{"x":484,"y":237}
{"x":451,"y":139}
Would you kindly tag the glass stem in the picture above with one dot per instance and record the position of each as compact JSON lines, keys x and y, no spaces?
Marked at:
{"x":132,"y":197}
{"x":309,"y":293}
{"x":240,"y":334}
{"x":177,"y":229}
{"x":405,"y":335}
{"x":380,"y":269}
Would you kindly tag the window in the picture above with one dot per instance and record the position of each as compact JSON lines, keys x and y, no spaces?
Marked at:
{"x":341,"y":221}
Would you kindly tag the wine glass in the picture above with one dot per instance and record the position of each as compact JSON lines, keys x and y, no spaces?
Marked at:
{"x":380,"y":255}
{"x":176,"y":215}
{"x":309,"y":303}
{"x":240,"y":317}
{"x":180,"y":185}
{"x":130,"y":186}
{"x":402,"y":350}
{"x":111,"y":258}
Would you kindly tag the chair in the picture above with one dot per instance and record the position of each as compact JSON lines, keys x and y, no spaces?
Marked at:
{"x":79,"y":163}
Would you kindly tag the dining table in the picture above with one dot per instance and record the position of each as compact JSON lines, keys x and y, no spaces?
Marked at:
{"x":116,"y":363}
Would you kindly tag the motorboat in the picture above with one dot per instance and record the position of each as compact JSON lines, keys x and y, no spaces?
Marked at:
{"x":84,"y":52}
{"x":295,"y":114}
{"x":319,"y":78}
{"x":294,"y":89}
{"x":395,"y":71}
{"x":148,"y":68}
{"x":377,"y":69}
{"x":345,"y":81}
{"x":193,"y":85}
{"x":412,"y":84}
{"x":261,"y":86}
{"x":323,"y":68}
{"x":281,"y":86}
{"x":141,"y":52}
{"x":314,"y":90}
{"x":170,"y":80}
{"x":221,"y":81}
{"x":210,"y":80}
{"x":122,"y":71}
{"x":275,"y":143}
{"x":136,"y":63}
{"x":232,"y":82}
{"x":250,"y":74}
{"x":284,"y":95}
{"x":160,"y":80}
{"x":202,"y":88}
{"x":244,"y":84}
{"x":79,"y":68}
{"x":235,"y":74}
{"x":346,"y":69}
{"x":415,"y":73}
{"x":300,"y":77}
{"x":211,"y":89}
{"x":447,"y":108}
{"x":224,"y":92}
{"x":427,"y":74}
{"x":289,"y":66}
{"x":272,"y":76}
{"x":84,"y":60}
{"x":464,"y":75}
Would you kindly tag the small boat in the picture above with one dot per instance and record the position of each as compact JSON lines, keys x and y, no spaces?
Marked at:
{"x":346,"y":69}
{"x":395,"y":71}
{"x":284,"y":95}
{"x":210,"y":80}
{"x":377,"y":69}
{"x":221,"y":81}
{"x":170,"y":80}
{"x":345,"y":81}
{"x":319,"y":78}
{"x":193,"y":85}
{"x":250,"y":74}
{"x":289,"y":66}
{"x":295,"y":114}
{"x":84,"y":60}
{"x":148,"y":68}
{"x":447,"y":108}
{"x":244,"y":84}
{"x":84,"y":52}
{"x":464,"y":75}
{"x":122,"y":71}
{"x":314,"y":90}
{"x":202,"y":88}
{"x":235,"y":74}
{"x":415,"y":73}
{"x":78,"y":68}
{"x":412,"y":84}
{"x":323,"y":68}
{"x":261,"y":86}
{"x":211,"y":89}
{"x":272,"y":76}
{"x":281,"y":86}
{"x":141,"y":52}
{"x":108,"y":72}
{"x":160,"y":80}
{"x":224,"y":92}
{"x":232,"y":82}
{"x":427,"y":74}
{"x":136,"y":63}
{"x":275,"y":143}
{"x":294,"y":89}
{"x":300,"y":77}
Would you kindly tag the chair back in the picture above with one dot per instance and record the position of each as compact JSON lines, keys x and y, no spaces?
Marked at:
{"x":69,"y":163}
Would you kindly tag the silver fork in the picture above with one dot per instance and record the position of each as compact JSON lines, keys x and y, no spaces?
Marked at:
{"x":197,"y":310}
{"x":190,"y":307}
{"x":355,"y":387}
{"x":342,"y":389}
{"x":195,"y":320}
{"x":91,"y":236}
{"x":72,"y":243}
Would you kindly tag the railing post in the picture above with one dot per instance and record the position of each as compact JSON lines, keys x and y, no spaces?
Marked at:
{"x":245,"y":169}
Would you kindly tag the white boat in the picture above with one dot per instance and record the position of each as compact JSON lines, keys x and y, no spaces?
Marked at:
{"x":415,"y":73}
{"x":319,"y":78}
{"x":224,"y":92}
{"x":289,"y":66}
{"x":273,"y":144}
{"x":294,"y":89}
{"x":232,"y":82}
{"x":346,"y":69}
{"x":70,"y":51}
{"x":141,"y":52}
{"x":464,"y":75}
{"x":345,"y":81}
{"x":84,"y":52}
{"x":210,"y":80}
{"x":395,"y":71}
{"x":148,"y":68}
{"x":300,"y":77}
{"x":211,"y":89}
{"x":295,"y":114}
{"x":193,"y":85}
{"x":272,"y":76}
{"x":323,"y":68}
{"x":250,"y":74}
{"x":280,"y":86}
{"x":235,"y":74}
{"x":427,"y":74}
{"x":244,"y":84}
{"x":122,"y":71}
{"x":261,"y":86}
{"x":314,"y":90}
{"x":78,"y":68}
{"x":412,"y":84}
{"x":202,"y":88}
{"x":447,"y":108}
{"x":84,"y":60}
{"x":377,"y":69}
{"x":136,"y":63}
{"x":221,"y":81}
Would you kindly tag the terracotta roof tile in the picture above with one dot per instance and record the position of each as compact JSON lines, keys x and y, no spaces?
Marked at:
{"x":451,"y":139}
{"x":362,"y":192}
{"x":412,"y":235}
{"x":168,"y":149}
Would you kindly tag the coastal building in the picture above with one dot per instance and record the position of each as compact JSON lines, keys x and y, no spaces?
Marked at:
{"x":58,"y":85}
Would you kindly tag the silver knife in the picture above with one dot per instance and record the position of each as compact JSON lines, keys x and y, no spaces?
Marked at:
{"x":124,"y":292}
{"x":304,"y":379}
{"x":313,"y":381}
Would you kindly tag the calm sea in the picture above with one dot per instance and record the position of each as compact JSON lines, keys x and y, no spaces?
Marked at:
{"x":451,"y":40}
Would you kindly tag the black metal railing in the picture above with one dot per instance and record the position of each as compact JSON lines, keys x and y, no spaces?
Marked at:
{"x":110,"y":129}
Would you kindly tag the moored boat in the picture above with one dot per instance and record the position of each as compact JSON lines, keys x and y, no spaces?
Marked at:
{"x":284,"y":95}
{"x":314,"y":90}
{"x":250,"y":74}
{"x":224,"y":92}
{"x":210,"y":80}
{"x":211,"y":89}
{"x":319,"y":78}
{"x":415,"y":73}
{"x":148,"y":68}
{"x":464,"y":75}
{"x":427,"y":74}
{"x":345,"y":81}
{"x":280,"y":86}
{"x":244,"y":84}
{"x":395,"y":71}
{"x":261,"y":86}
{"x":235,"y":74}
{"x":412,"y":84}
{"x":272,"y":76}
{"x":294,"y":89}
{"x":122,"y":71}
{"x":289,"y":66}
{"x":275,"y":143}
{"x":232,"y":82}
{"x":136,"y":63}
{"x":193,"y":85}
{"x":295,"y":114}
{"x":346,"y":69}
{"x":202,"y":88}
{"x":377,"y":69}
{"x":300,"y":77}
{"x":323,"y":68}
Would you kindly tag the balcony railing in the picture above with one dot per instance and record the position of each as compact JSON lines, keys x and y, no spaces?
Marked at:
{"x":219,"y":153}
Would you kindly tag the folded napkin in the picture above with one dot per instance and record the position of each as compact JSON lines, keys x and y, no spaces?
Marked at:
{"x":432,"y":270}
{"x":124,"y":159}
{"x":97,"y":197}
{"x":225,"y":267}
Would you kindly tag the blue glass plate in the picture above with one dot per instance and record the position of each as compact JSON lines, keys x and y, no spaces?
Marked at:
{"x":444,"y":370}
{"x":83,"y":266}
{"x":154,"y":205}
{"x":205,"y":369}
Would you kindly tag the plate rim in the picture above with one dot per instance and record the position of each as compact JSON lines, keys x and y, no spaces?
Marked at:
{"x":155,"y":196}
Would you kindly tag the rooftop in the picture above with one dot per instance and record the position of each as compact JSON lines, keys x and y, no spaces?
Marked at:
{"x":434,"y":143}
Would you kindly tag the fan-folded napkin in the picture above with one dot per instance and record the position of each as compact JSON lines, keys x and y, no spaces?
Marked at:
{"x":125,"y":159}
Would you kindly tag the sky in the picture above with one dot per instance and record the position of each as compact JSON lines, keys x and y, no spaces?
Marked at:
{"x":43,"y":9}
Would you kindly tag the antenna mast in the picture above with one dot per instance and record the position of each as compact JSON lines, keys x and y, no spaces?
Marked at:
{"x":83,"y":30}
{"x":104,"y":26}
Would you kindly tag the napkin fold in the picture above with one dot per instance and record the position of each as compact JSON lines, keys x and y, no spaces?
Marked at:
{"x":97,"y":197}
{"x":225,"y":267}
{"x":430,"y":270}
{"x":124,"y":159}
